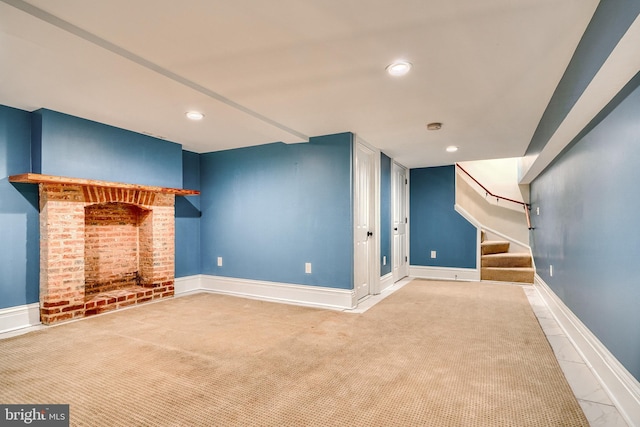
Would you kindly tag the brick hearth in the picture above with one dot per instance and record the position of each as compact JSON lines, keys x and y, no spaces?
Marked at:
{"x":103,"y":246}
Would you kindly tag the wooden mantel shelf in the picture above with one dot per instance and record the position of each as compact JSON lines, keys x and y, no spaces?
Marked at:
{"x":35,"y":178}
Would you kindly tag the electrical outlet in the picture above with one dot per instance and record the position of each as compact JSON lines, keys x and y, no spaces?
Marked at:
{"x":384,"y":260}
{"x":537,"y":210}
{"x":307,"y":267}
{"x":219,"y":261}
{"x":433,"y":254}
{"x":551,"y":270}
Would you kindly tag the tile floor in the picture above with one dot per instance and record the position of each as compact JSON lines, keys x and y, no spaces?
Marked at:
{"x":596,"y":404}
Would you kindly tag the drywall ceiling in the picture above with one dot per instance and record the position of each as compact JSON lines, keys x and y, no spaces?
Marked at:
{"x":285,"y":70}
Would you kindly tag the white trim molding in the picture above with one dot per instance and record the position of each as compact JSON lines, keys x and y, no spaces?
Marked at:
{"x":187,"y":285}
{"x":521,"y":245}
{"x":386,"y":282}
{"x":620,"y":385}
{"x":314,"y":296}
{"x":444,"y":273}
{"x":462,"y":211}
{"x":22,"y":316}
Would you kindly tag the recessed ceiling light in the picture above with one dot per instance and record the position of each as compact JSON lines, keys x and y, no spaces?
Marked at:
{"x":434,"y":126}
{"x":194,"y":115}
{"x":399,"y":68}
{"x":452,"y":149}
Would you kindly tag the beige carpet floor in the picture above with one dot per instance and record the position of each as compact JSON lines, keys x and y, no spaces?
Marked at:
{"x":431,"y":354}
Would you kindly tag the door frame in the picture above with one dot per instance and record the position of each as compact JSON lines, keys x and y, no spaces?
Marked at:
{"x":374,"y":263}
{"x":405,"y":272}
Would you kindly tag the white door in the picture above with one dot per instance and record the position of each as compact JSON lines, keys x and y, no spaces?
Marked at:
{"x":399,"y":222}
{"x":364,"y":219}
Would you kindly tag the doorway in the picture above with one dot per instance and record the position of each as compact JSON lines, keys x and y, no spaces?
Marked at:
{"x":399,"y":221}
{"x":365,"y":230}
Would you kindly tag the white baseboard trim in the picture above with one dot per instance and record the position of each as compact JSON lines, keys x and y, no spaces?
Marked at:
{"x":386,"y":282}
{"x":444,"y":273}
{"x":22,"y":316}
{"x":314,"y":296}
{"x":622,"y":387}
{"x":187,"y":285}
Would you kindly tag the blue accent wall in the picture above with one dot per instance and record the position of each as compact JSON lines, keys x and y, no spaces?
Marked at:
{"x":19,"y":225}
{"x":187,"y":253}
{"x":385,"y":213}
{"x":268,"y":210}
{"x":53,"y":143}
{"x":435,"y":225}
{"x":588,"y":228}
{"x":79,"y":148}
{"x":609,"y":23}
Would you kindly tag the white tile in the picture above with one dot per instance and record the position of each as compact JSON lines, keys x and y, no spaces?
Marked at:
{"x":371,"y":300}
{"x":584,"y":384}
{"x":594,"y":401}
{"x":564,"y":349}
{"x":550,"y":326}
{"x":600,"y":415}
{"x":542,"y":312}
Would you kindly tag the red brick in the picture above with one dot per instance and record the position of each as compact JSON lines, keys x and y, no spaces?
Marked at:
{"x":73,"y":307}
{"x":47,"y":304}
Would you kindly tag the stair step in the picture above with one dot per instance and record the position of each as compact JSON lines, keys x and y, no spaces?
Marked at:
{"x":494,"y":247}
{"x":513,"y":274}
{"x":511,"y":259}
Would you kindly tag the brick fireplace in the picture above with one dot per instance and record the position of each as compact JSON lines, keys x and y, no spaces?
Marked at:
{"x":103,"y":245}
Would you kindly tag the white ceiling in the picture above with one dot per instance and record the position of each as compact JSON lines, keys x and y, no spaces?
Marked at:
{"x":285,"y":70}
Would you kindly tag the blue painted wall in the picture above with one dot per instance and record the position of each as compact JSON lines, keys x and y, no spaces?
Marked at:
{"x":435,"y":225}
{"x":70,"y":146}
{"x":267,"y":210}
{"x":188,"y":219}
{"x":58,"y":144}
{"x":385,"y":213}
{"x":609,"y":23}
{"x":588,"y":227}
{"x":19,"y":225}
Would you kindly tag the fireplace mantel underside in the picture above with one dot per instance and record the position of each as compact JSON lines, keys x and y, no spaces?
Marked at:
{"x":90,"y":230}
{"x":36,"y":178}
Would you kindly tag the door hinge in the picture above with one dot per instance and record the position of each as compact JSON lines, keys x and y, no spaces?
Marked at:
{"x":406,"y":259}
{"x":406,"y":220}
{"x":406,"y":181}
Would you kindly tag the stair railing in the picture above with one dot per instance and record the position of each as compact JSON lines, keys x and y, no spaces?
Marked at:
{"x":526,"y":206}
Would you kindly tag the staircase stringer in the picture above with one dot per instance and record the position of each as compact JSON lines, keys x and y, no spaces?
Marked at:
{"x":493,"y":235}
